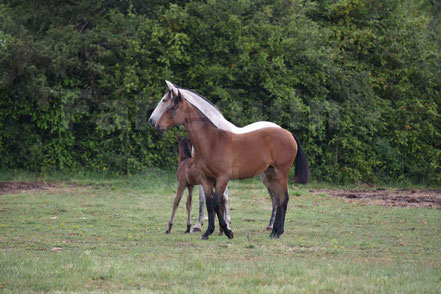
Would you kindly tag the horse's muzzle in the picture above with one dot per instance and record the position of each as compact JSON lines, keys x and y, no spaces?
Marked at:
{"x":152,"y":122}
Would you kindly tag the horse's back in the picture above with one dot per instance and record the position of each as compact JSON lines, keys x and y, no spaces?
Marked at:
{"x":276,"y":138}
{"x":253,"y":152}
{"x":281,"y":143}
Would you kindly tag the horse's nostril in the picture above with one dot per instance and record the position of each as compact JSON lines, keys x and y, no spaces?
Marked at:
{"x":151,"y":122}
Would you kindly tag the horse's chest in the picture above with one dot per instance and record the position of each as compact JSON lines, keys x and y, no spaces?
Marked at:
{"x":207,"y":168}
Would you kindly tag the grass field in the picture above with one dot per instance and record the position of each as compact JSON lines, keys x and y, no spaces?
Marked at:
{"x":107,"y":234}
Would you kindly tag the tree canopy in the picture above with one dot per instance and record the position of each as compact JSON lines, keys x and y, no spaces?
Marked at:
{"x":359,"y":82}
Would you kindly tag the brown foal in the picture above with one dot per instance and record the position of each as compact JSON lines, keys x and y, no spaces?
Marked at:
{"x":222,"y":155}
{"x":187,"y":179}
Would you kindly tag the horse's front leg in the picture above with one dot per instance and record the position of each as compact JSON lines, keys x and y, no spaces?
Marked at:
{"x":189,"y":198}
{"x":209,"y":200}
{"x":221,"y":185}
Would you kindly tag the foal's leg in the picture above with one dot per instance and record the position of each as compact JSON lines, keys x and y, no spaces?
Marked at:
{"x":189,"y":198}
{"x":181,"y":189}
{"x":197,"y":227}
{"x":227,"y":209}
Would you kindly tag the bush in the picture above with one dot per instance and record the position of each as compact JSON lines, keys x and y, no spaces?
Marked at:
{"x":359,"y":82}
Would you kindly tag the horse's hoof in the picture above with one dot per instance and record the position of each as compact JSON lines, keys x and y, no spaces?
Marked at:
{"x":167,"y":231}
{"x":269,"y":228}
{"x":203,"y":237}
{"x":274,"y":235}
{"x":230,"y":235}
{"x":196,"y":230}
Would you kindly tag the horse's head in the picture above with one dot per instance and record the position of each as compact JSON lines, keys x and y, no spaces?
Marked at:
{"x":170,"y":111}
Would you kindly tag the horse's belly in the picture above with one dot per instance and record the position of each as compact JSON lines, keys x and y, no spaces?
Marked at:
{"x":245,"y":171}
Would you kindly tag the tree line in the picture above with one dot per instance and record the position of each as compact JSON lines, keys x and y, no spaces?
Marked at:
{"x":359,"y":82}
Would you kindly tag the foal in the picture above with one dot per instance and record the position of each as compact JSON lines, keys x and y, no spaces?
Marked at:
{"x":187,"y":178}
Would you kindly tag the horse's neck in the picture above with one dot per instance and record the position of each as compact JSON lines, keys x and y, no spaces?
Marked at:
{"x":182,"y":156}
{"x":201,"y":132}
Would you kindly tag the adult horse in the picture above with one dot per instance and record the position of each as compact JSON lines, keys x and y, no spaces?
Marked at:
{"x":223,"y":124}
{"x":222,"y":155}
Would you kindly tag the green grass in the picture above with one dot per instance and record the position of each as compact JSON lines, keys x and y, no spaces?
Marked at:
{"x":111,"y":233}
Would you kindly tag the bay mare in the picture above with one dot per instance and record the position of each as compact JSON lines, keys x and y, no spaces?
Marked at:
{"x":187,"y":178}
{"x":217,"y":118}
{"x":222,"y":155}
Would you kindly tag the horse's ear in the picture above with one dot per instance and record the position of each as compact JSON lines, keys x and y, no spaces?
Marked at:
{"x":178,"y":138}
{"x":178,"y":97}
{"x":172,"y":88}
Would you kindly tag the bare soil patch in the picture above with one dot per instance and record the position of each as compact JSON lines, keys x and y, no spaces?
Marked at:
{"x":404,"y":198}
{"x":18,"y":187}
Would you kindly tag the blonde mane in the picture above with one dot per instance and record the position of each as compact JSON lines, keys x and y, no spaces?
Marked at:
{"x":214,"y":115}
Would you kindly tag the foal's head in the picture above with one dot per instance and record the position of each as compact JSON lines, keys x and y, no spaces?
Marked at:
{"x":184,"y":148}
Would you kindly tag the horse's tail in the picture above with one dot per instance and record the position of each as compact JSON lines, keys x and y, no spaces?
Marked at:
{"x":302,"y":171}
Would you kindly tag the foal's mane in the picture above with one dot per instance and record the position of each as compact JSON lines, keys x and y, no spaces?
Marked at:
{"x":184,"y":144}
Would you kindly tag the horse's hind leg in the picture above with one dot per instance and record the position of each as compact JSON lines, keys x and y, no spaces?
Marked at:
{"x":189,"y":198}
{"x":273,"y":201}
{"x":277,"y":184}
{"x":279,"y":224}
{"x":273,"y":215}
{"x":198,"y":226}
{"x":283,"y":208}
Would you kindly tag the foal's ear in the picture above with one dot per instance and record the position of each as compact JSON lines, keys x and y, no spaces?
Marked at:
{"x":178,"y":138}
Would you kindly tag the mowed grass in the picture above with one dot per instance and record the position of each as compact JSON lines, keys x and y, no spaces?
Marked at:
{"x":107,"y":234}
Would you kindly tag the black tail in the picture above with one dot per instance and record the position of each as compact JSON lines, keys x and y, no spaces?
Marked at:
{"x":302,"y":172}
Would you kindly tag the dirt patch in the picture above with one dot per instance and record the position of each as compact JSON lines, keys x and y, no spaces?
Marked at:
{"x":404,"y":198}
{"x":18,"y":187}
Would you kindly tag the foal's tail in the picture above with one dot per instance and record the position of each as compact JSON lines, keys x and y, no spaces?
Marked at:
{"x":302,"y":172}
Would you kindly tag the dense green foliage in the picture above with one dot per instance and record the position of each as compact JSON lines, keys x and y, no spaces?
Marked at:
{"x":358,"y":81}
